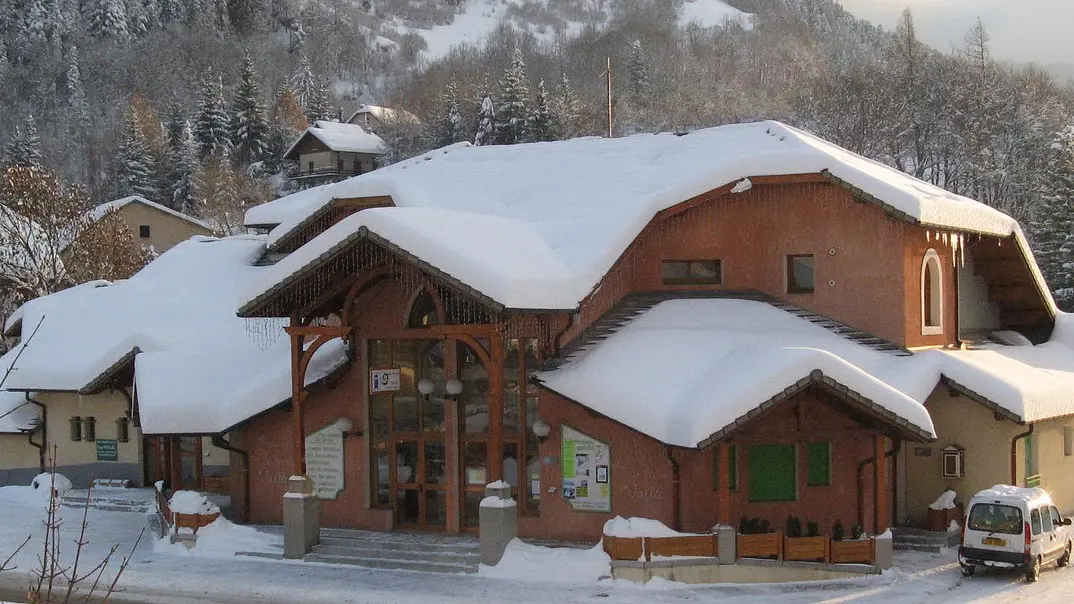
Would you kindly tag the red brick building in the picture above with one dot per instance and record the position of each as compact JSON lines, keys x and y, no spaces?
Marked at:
{"x":698,"y":329}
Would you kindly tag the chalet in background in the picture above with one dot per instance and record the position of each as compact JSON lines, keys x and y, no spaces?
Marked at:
{"x":331,"y":151}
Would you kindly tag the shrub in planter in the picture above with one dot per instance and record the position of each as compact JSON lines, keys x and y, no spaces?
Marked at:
{"x":812,"y":529}
{"x":794,"y":527}
{"x":838,"y":532}
{"x":765,"y":527}
{"x":753,"y":527}
{"x":744,"y":526}
{"x":857,"y":531}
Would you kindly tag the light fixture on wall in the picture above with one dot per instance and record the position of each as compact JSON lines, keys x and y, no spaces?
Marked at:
{"x":345,"y":425}
{"x":541,"y":429}
{"x":453,"y":388}
{"x":426,"y":387}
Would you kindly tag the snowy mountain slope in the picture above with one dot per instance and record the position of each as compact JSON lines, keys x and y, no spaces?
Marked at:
{"x":545,"y":19}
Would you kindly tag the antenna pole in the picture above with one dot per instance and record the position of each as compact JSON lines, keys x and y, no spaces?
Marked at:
{"x":609,"y":85}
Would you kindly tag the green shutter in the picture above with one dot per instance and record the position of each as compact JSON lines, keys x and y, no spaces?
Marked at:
{"x":819,"y":458}
{"x":772,"y":475}
{"x":732,"y":463}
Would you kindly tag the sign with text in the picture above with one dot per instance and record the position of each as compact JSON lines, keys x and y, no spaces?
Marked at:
{"x":324,"y":462}
{"x":107,"y":450}
{"x":586,"y":472}
{"x":384,"y":380}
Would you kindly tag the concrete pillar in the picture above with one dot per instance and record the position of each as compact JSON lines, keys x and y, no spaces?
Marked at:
{"x":498,"y":522}
{"x":301,"y":518}
{"x":884,"y":553}
{"x":726,"y":543}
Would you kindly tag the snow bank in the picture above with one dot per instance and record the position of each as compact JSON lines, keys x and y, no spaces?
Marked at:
{"x":222,"y":539}
{"x":496,"y":502}
{"x":191,"y":502}
{"x":44,"y":483}
{"x":574,"y":226}
{"x":525,"y":562}
{"x":946,"y":501}
{"x":709,"y":13}
{"x":639,"y":527}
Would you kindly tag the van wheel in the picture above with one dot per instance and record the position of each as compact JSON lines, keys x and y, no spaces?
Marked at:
{"x":968,"y":570}
{"x":1034,"y":571}
{"x":1064,"y":560}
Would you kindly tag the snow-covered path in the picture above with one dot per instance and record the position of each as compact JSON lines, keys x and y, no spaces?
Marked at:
{"x":160,"y":575}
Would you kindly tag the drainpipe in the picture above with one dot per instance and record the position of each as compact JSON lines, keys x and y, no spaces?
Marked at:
{"x":41,"y":450}
{"x":1014,"y":454}
{"x":676,"y":484}
{"x":861,"y":480}
{"x":219,"y":442}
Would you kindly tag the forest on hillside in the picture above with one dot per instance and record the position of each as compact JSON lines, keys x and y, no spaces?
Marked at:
{"x":190,"y":102}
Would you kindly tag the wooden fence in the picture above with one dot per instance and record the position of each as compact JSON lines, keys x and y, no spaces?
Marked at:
{"x":773,"y":546}
{"x":634,"y":548}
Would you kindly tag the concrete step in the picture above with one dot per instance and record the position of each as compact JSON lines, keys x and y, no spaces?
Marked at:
{"x":393,"y":563}
{"x":400,"y":546}
{"x":410,"y":555}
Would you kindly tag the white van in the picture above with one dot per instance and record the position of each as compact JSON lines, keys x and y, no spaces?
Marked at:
{"x":1012,"y":527}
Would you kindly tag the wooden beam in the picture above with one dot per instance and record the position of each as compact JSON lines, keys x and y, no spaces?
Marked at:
{"x":881,"y":522}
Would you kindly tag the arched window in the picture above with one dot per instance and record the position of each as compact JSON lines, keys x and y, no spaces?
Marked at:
{"x":423,"y":311}
{"x":931,"y":294}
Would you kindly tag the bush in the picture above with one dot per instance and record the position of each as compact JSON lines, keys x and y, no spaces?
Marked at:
{"x":794,"y":526}
{"x":812,"y":528}
{"x":838,"y":532}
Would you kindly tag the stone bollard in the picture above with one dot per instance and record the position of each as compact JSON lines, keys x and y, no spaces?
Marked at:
{"x":301,"y":518}
{"x":498,"y":522}
{"x":884,"y":554}
{"x":726,"y":543}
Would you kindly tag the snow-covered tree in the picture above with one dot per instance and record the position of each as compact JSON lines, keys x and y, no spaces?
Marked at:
{"x":24,"y":148}
{"x":310,"y":90}
{"x":185,"y":152}
{"x":448,"y":128}
{"x":513,"y":106}
{"x":1052,"y":227}
{"x":249,"y":127}
{"x":287,"y":121}
{"x":221,"y":20}
{"x":567,"y":110}
{"x":211,"y":124}
{"x":542,"y":124}
{"x":137,"y":18}
{"x":136,"y":168}
{"x":486,"y":121}
{"x":76,"y":92}
{"x":107,"y":19}
{"x":639,"y":73}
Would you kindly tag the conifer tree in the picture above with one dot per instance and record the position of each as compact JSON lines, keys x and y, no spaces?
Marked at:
{"x":448,"y":129}
{"x":171,"y":11}
{"x":639,"y":74}
{"x":513,"y":107}
{"x":486,"y":121}
{"x":24,"y":148}
{"x":542,"y":124}
{"x":249,"y":127}
{"x":76,"y":92}
{"x":107,"y":19}
{"x":567,"y":110}
{"x":35,"y":24}
{"x":137,"y":168}
{"x":220,"y":18}
{"x":186,"y":164}
{"x":174,"y":124}
{"x":137,"y":18}
{"x":210,"y":122}
{"x":304,"y":85}
{"x":318,"y":108}
{"x":1052,"y":227}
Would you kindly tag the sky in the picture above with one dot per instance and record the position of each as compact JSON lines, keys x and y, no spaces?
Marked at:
{"x":1039,"y":31}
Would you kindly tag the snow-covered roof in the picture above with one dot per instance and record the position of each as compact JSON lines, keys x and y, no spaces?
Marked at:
{"x":199,"y":368}
{"x":384,"y":114}
{"x":16,"y":414}
{"x":584,"y":200}
{"x":1006,"y":491}
{"x":102,"y":210}
{"x":350,"y":138}
{"x":687,"y":369}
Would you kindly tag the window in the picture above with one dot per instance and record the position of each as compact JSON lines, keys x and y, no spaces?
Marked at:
{"x":76,"y":428}
{"x":1057,"y":518}
{"x":732,"y":465}
{"x":89,"y":429}
{"x":310,"y":167}
{"x":123,"y":430}
{"x":800,"y":274}
{"x":423,"y":311}
{"x":143,"y":231}
{"x":1046,"y":519}
{"x":998,"y":518}
{"x":692,"y":272}
{"x":931,"y":294}
{"x":1034,"y":521}
{"x":953,"y":458}
{"x":819,"y":464}
{"x":772,"y":475}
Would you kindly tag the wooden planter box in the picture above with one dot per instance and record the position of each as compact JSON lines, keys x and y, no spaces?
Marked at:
{"x":693,"y":545}
{"x":806,"y":549}
{"x":194,"y":521}
{"x":939,"y":520}
{"x":623,"y":548}
{"x":767,"y":545}
{"x":854,"y":552}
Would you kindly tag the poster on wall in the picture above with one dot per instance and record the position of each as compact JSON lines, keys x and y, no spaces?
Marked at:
{"x":384,"y":380}
{"x":324,"y":462}
{"x":586,"y":472}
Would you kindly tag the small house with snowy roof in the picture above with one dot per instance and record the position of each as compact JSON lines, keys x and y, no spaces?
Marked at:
{"x":152,"y":224}
{"x":331,"y":151}
{"x":742,"y":322}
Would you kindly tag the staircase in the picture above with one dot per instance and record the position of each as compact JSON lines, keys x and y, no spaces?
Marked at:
{"x":921,"y":540}
{"x":428,"y":552}
{"x":111,"y":499}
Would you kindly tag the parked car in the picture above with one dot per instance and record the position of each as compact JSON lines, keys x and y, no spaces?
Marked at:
{"x":1013,"y":527}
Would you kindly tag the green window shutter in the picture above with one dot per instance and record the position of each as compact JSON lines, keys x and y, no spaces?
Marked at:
{"x":819,"y":458}
{"x":772,"y":475}
{"x":732,"y":463}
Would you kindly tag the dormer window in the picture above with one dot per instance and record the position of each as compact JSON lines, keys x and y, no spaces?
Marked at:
{"x":423,"y":312}
{"x":931,"y":294}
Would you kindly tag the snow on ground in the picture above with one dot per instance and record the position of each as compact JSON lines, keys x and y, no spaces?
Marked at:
{"x":531,"y":574}
{"x":709,"y":13}
{"x":639,"y":527}
{"x":222,"y":539}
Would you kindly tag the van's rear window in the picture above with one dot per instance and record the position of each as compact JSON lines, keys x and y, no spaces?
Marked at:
{"x":995,"y":518}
